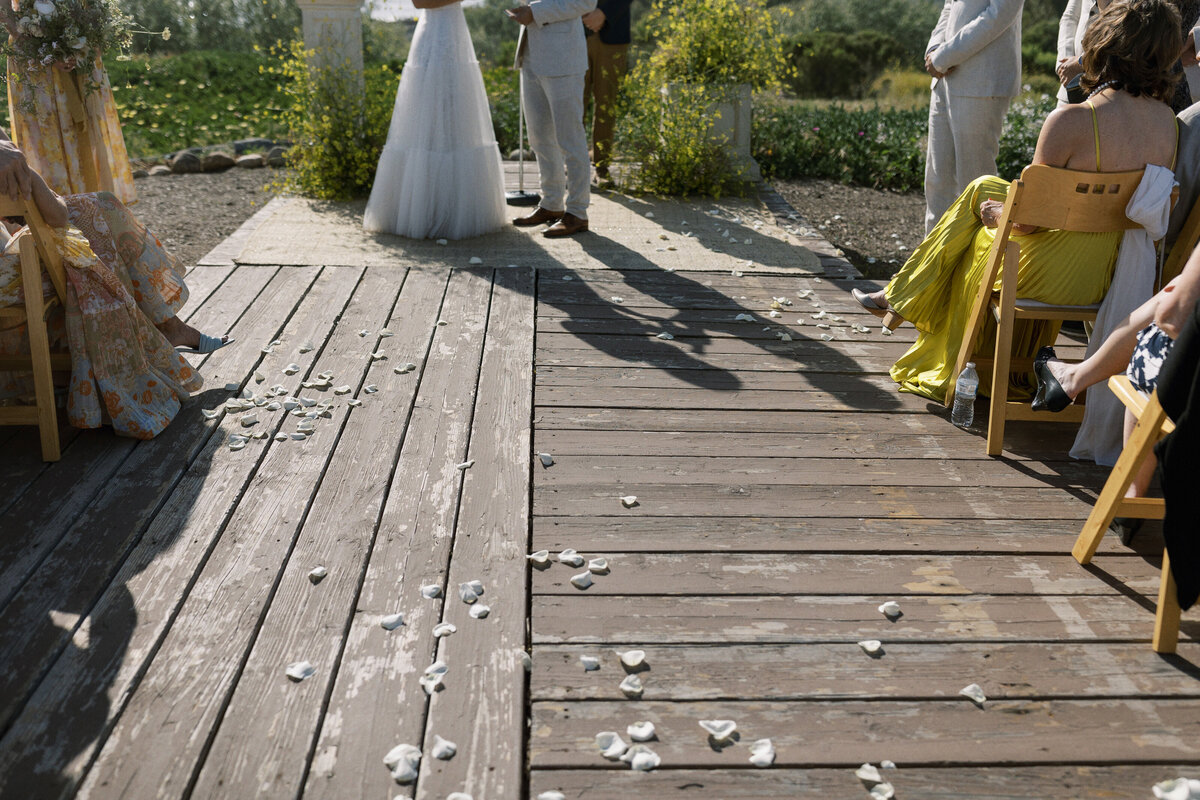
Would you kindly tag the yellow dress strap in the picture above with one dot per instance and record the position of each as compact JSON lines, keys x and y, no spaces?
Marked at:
{"x":1096,"y":135}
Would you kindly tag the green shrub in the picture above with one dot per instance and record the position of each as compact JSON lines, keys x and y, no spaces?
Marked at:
{"x":502,"y":85}
{"x":841,"y":65}
{"x":704,"y":47}
{"x":876,"y":147}
{"x":338,"y":128}
{"x":170,"y":102}
{"x":883,"y":148}
{"x":1039,"y":47}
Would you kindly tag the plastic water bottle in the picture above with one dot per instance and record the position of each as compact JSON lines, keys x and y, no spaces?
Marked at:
{"x":963,"y":414}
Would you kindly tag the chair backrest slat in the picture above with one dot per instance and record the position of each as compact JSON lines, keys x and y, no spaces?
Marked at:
{"x":1072,"y":200}
{"x":40,"y":232}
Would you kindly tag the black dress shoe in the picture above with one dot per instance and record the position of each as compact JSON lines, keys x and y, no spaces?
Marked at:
{"x":1127,"y":527}
{"x":1050,"y":394}
{"x":1045,"y":354}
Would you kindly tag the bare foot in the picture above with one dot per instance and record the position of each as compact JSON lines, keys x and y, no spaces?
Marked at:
{"x":179,"y":333}
{"x":1064,"y":373}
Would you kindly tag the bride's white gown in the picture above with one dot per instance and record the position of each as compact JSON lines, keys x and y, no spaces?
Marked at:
{"x":439,"y":174}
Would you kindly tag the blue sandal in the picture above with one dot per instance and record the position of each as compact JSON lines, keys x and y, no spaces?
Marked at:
{"x":208,"y":344}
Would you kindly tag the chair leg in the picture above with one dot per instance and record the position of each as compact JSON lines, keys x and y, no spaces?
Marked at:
{"x":1003,"y":357}
{"x":1141,"y":441}
{"x":39,"y":350}
{"x":1166,"y":618}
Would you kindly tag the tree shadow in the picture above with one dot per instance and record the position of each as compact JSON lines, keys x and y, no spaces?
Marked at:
{"x":630,"y":334}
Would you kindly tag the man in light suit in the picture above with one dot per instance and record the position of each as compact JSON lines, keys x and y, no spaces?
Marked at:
{"x":552,"y":57}
{"x":974,"y":56}
{"x":1071,"y":28}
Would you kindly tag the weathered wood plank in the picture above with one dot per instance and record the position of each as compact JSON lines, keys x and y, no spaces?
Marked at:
{"x":483,"y":710}
{"x":155,"y":745}
{"x":619,"y":534}
{"x":842,"y":670}
{"x":87,"y":687}
{"x":950,"y":732}
{"x":201,"y":283}
{"x":44,"y":512}
{"x":821,"y":443}
{"x":102,"y":534}
{"x":376,"y":700}
{"x":935,"y":469}
{"x":801,"y":355}
{"x":266,"y":732}
{"x":759,"y":620}
{"x":961,"y":783}
{"x":714,"y":574}
{"x":866,"y":398}
{"x":612,"y":379}
{"x":692,"y":332}
{"x":751,"y":500}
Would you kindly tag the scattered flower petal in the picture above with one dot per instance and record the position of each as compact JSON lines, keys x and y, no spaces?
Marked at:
{"x":442,"y":749}
{"x":402,"y":760}
{"x":479,"y":611}
{"x":299,"y":670}
{"x":392,"y":621}
{"x":611,"y":745}
{"x":633,"y":658}
{"x":641,"y":731}
{"x":443,"y":629}
{"x":582,"y":581}
{"x":590,"y":663}
{"x":629,"y":500}
{"x":632,"y":686}
{"x":721,"y":730}
{"x":570,"y":558}
{"x":762,"y":753}
{"x":975,"y":693}
{"x":317,"y":574}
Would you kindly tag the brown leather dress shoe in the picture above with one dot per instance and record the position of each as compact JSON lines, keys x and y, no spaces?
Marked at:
{"x":539,"y":217}
{"x":569,"y":225}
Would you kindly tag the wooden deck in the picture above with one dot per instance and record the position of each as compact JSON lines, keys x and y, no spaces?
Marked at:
{"x":152,"y":594}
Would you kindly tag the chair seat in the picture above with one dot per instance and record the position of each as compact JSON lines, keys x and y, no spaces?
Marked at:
{"x":1024,"y":302}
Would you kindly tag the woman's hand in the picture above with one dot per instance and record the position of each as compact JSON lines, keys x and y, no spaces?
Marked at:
{"x":1067,"y":69}
{"x":990,"y":212}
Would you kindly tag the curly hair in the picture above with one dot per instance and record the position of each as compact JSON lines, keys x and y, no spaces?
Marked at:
{"x":1135,"y":45}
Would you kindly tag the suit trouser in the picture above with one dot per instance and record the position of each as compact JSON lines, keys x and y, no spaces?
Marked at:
{"x":606,"y":66}
{"x":554,"y":116}
{"x":964,"y":140}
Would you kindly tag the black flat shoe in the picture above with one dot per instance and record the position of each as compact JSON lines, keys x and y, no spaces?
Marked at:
{"x":1050,"y":394}
{"x":1127,"y":527}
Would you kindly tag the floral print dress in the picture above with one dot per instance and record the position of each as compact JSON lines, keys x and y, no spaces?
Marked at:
{"x":70,"y":133}
{"x":120,"y":283}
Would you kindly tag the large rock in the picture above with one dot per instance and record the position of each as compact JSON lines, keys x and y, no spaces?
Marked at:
{"x":141,"y":173}
{"x":242,"y":146}
{"x":515,"y":155}
{"x":277,"y":157}
{"x":160,"y":169}
{"x":251,"y":161}
{"x":218,"y":162}
{"x":185,"y":163}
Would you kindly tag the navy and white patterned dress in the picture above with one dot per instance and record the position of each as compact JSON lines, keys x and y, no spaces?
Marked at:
{"x":1152,"y":348}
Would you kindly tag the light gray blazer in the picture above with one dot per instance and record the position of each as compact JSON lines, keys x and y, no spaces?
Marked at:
{"x":981,"y":39}
{"x":554,"y":44}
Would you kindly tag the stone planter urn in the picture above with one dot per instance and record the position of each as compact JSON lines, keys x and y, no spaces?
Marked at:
{"x":730,"y":117}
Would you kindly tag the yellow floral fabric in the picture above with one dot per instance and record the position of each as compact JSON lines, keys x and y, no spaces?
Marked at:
{"x":55,"y":116}
{"x":936,"y":287}
{"x":120,"y":282}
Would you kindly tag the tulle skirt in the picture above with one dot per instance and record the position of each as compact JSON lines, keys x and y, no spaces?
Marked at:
{"x":439,"y":175}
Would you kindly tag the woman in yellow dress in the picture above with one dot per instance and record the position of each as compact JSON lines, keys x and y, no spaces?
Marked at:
{"x":1126,"y":124}
{"x":65,"y":119}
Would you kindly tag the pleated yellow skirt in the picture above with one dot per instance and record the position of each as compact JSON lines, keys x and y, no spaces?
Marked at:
{"x":935,"y":288}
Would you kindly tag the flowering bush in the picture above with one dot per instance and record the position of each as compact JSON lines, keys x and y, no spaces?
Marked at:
{"x":716,"y":42}
{"x":703,"y":47}
{"x":338,"y":130}
{"x":70,"y":33}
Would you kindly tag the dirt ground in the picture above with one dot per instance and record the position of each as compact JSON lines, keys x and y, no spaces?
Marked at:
{"x":191,"y":214}
{"x":876,"y":229}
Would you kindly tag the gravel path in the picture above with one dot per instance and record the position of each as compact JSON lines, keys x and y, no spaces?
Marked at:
{"x":191,"y":214}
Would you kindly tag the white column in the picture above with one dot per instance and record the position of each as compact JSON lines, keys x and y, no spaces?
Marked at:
{"x":333,"y":30}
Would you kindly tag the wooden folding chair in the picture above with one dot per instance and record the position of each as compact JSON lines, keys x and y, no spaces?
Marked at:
{"x":1152,"y":425}
{"x":1046,"y":197}
{"x":36,"y":252}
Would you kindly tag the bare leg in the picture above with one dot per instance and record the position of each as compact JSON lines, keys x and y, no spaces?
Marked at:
{"x":1111,"y":359}
{"x":1145,"y":473}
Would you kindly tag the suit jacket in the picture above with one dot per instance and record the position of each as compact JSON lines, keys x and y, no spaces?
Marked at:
{"x":1071,"y":28}
{"x":616,"y":21}
{"x":554,"y":44}
{"x":981,"y":39}
{"x":1187,"y":171}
